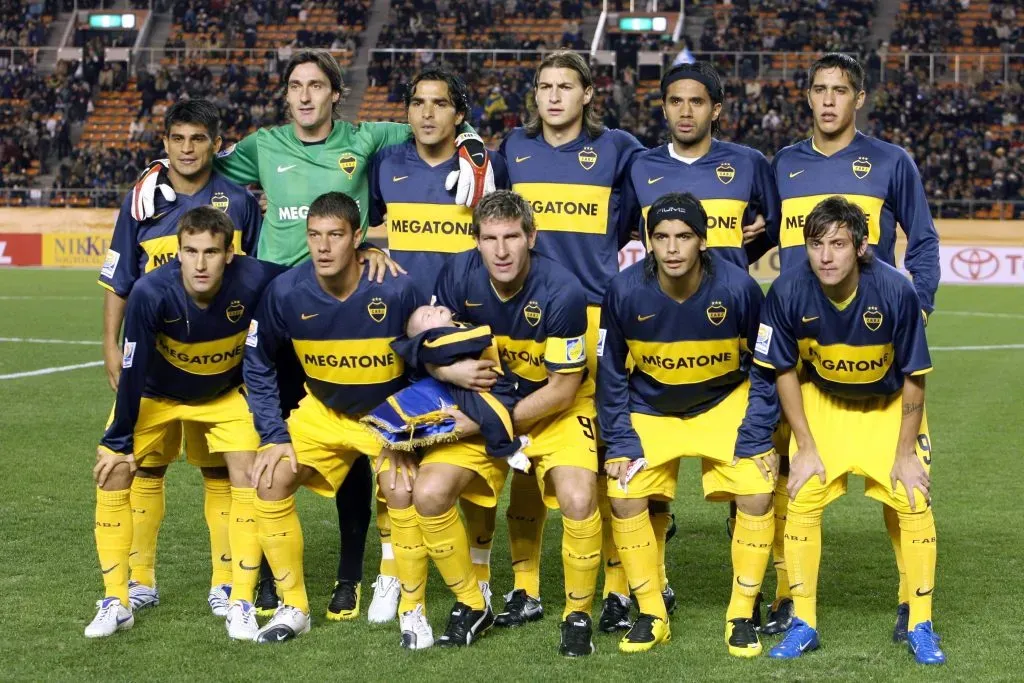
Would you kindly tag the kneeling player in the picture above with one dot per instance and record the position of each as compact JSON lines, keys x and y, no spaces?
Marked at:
{"x":184,"y":329}
{"x":687,"y":321}
{"x":537,"y":311}
{"x":856,"y":325}
{"x":340,"y":325}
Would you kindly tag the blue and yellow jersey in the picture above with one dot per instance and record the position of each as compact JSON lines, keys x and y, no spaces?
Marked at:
{"x":860,"y":349}
{"x":173,"y":349}
{"x":344,"y":347}
{"x":137,"y":248}
{"x":582,"y":199}
{"x":424,"y":224}
{"x":686,"y":357}
{"x":734,"y":183}
{"x":881,"y":179}
{"x":539,"y":329}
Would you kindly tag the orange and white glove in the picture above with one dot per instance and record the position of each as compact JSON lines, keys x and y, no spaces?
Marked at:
{"x":144,"y":193}
{"x":475,"y":177}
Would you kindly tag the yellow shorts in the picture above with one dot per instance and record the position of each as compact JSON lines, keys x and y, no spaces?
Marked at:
{"x":210,"y":429}
{"x":857,"y":437}
{"x":329,"y":442}
{"x":710,"y":436}
{"x":566,"y":439}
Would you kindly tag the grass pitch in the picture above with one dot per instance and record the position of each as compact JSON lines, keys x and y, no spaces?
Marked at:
{"x":49,"y":579}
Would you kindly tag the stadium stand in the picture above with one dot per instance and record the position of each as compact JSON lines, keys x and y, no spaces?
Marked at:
{"x":24,"y":24}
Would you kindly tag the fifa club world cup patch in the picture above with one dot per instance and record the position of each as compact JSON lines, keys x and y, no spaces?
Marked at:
{"x":764,"y":339}
{"x":716,"y":313}
{"x":377,"y":309}
{"x":725,"y":172}
{"x":110,"y":263}
{"x":220,"y":201}
{"x":601,"y":333}
{"x":250,"y":337}
{"x":234,"y":311}
{"x":532,"y":313}
{"x":129,"y":354}
{"x":575,"y":349}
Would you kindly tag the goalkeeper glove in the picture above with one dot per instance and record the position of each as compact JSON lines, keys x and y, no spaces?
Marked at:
{"x":475,"y":177}
{"x":144,"y":193}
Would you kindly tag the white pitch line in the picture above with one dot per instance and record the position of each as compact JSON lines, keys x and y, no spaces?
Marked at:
{"x":981,"y":314}
{"x":993,"y":347}
{"x":51,"y":298}
{"x":32,"y":340}
{"x":50,"y":371}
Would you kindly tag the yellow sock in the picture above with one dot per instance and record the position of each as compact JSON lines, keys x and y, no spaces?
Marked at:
{"x":526,"y":515}
{"x":480,"y":531}
{"x":751,"y":544}
{"x":114,"y":541}
{"x":803,"y":557}
{"x":919,"y":553}
{"x":581,"y":560}
{"x":217,"y":508}
{"x":387,"y":552}
{"x":280,"y":532}
{"x":779,"y":544}
{"x":638,"y":548}
{"x":614,"y":571}
{"x":892,"y":525}
{"x":147,"y":500}
{"x":445,"y":538}
{"x":245,"y":544}
{"x":410,"y":557}
{"x":661,"y":521}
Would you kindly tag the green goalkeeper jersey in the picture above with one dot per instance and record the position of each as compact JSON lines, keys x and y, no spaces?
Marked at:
{"x":293,"y":174}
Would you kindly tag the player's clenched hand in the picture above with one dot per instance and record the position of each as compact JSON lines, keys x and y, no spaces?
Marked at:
{"x":474,"y":375}
{"x":106,"y":461}
{"x":768,"y":463}
{"x":267,"y":460}
{"x":377,"y":262}
{"x":908,"y":470}
{"x":463,"y":425}
{"x":112,"y":358}
{"x":750,"y":232}
{"x":144,"y":193}
{"x":803,"y":465}
{"x":400,"y":461}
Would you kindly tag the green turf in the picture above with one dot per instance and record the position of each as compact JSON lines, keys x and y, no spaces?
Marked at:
{"x":49,"y":576}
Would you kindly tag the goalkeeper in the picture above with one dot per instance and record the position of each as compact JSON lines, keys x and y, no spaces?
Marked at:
{"x":294,"y":164}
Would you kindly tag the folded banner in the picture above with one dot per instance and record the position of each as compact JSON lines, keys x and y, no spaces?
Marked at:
{"x":414,"y":417}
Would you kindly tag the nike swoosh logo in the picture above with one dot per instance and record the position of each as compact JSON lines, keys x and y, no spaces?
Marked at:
{"x":922,"y":594}
{"x":398,"y":178}
{"x":158,"y":216}
{"x":281,"y":635}
{"x":241,"y":564}
{"x":519,"y":562}
{"x":282,"y":169}
{"x":453,"y":585}
{"x":470,"y":304}
{"x":225,"y":558}
{"x":805,"y":319}
{"x":107,"y":571}
{"x":307,"y":316}
{"x":121,"y":621}
{"x":286,"y":575}
{"x":283,"y":533}
{"x":794,"y":174}
{"x":579,"y":597}
{"x":484,"y":541}
{"x":168,"y":322}
{"x":746,"y":585}
{"x":634,"y":589}
{"x":413,"y":589}
{"x":796,"y":585}
{"x":804,"y":646}
{"x":642,"y":318}
{"x":520,"y":160}
{"x":651,"y":181}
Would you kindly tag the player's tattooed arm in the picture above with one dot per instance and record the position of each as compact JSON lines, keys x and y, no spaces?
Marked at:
{"x":907,"y":468}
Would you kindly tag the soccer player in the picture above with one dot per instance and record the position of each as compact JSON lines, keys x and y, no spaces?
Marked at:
{"x":184,"y":330}
{"x":425,"y":228}
{"x":883,"y":181}
{"x":575,"y":175}
{"x":855,"y":324}
{"x":294,"y":164}
{"x":340,"y":325}
{"x":536,"y":310}
{"x":191,"y":140}
{"x":734,"y":183}
{"x":687,"y":320}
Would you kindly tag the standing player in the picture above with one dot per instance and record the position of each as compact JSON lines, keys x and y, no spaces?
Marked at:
{"x":883,"y":181}
{"x":184,"y":331}
{"x":340,"y":325}
{"x":536,"y":311}
{"x":294,"y":164}
{"x":191,"y":140}
{"x":687,"y":321}
{"x":855,"y":324}
{"x":425,"y":228}
{"x":575,"y":175}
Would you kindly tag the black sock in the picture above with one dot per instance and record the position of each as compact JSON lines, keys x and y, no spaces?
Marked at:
{"x":353,"y":502}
